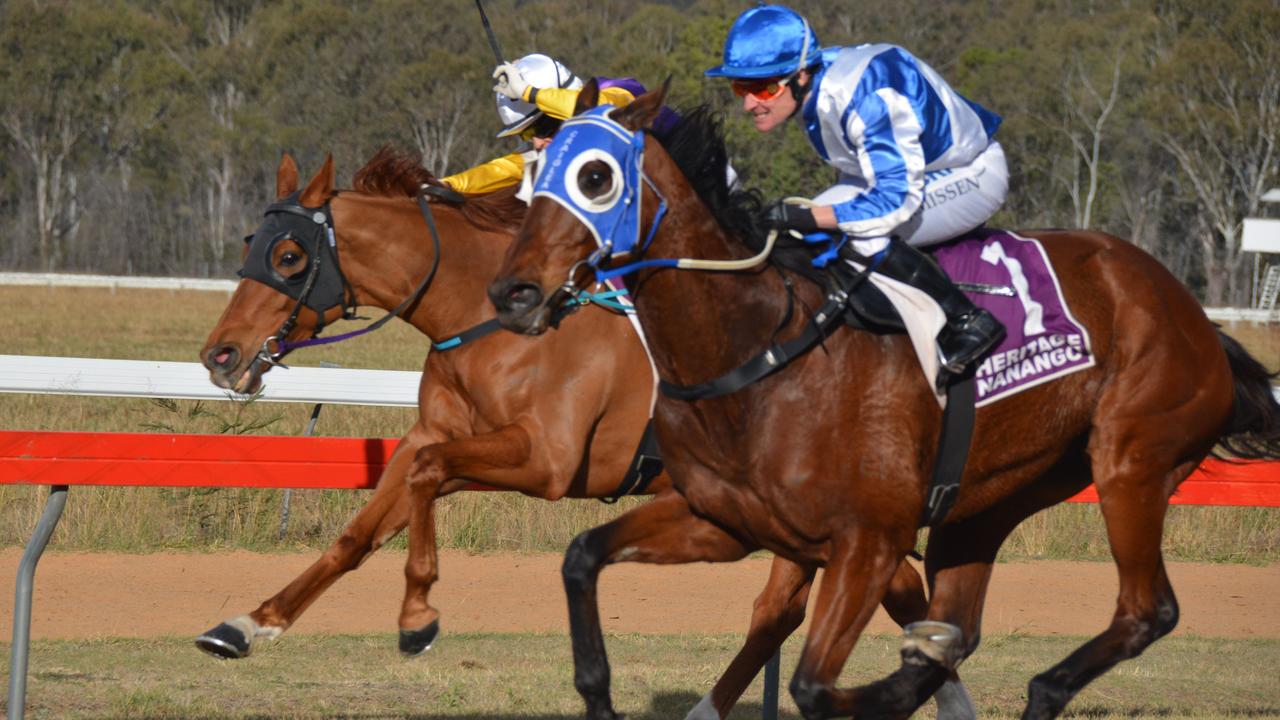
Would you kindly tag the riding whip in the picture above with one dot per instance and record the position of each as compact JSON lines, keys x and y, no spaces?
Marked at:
{"x":488,"y":30}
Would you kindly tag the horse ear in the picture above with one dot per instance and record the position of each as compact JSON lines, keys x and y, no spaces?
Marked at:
{"x":320,"y":187}
{"x":588,"y":97}
{"x":643,"y":110}
{"x":286,"y":177}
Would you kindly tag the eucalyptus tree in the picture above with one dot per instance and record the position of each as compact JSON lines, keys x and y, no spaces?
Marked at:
{"x":80,"y":86}
{"x":1217,"y":100}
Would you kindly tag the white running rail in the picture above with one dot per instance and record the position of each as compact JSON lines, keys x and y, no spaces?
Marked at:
{"x":190,"y":381}
{"x":115,"y":281}
{"x":174,"y":283}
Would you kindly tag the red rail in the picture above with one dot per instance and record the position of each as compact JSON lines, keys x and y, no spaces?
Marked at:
{"x":101,"y":458}
{"x":98,"y":458}
{"x":1215,"y":482}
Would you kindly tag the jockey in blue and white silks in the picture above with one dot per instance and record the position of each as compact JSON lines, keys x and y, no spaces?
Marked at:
{"x":917,"y":162}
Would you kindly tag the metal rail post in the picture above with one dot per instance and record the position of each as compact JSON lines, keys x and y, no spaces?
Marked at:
{"x":771,"y":672}
{"x":22,"y":600}
{"x":288,"y":492}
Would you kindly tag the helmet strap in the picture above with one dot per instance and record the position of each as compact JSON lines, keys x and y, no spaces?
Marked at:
{"x":793,"y":83}
{"x":798,"y":91}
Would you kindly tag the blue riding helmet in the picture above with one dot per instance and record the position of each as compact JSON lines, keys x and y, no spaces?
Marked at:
{"x":767,"y":41}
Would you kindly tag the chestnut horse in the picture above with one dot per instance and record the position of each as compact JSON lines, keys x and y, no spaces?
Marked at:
{"x":826,"y":462}
{"x":492,"y":411}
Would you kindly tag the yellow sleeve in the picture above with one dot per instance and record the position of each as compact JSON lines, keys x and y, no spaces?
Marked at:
{"x":490,"y":176}
{"x":559,"y":102}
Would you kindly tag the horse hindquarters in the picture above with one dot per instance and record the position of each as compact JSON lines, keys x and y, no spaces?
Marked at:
{"x":1165,"y":401}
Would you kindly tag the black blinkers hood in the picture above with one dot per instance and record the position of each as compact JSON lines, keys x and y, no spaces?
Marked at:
{"x":312,"y":229}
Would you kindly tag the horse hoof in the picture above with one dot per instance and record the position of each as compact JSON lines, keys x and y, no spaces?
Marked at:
{"x":934,"y":641}
{"x":954,"y":702}
{"x":416,"y":642}
{"x":704,"y":710}
{"x":225,"y":642}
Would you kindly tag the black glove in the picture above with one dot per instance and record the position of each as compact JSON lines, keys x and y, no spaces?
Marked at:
{"x":783,"y":216}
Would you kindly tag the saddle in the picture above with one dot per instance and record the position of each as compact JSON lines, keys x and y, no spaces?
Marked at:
{"x":869,"y":308}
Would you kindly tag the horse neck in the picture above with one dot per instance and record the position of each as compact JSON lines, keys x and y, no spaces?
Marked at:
{"x":702,"y":324}
{"x":387,"y":250}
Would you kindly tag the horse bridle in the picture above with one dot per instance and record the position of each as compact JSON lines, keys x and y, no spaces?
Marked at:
{"x":323,"y":286}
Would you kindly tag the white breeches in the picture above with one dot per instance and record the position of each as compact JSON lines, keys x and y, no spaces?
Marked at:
{"x":956,"y":200}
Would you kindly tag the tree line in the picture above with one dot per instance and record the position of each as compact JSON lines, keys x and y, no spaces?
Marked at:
{"x":142,"y":136}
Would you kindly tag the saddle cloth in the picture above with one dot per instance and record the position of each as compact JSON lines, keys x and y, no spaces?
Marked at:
{"x":1011,"y":277}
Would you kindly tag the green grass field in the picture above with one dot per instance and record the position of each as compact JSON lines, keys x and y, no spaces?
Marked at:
{"x":504,"y":677}
{"x":169,"y":325}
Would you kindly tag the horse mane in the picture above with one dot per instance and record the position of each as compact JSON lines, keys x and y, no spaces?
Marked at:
{"x":696,"y":145}
{"x":395,"y":173}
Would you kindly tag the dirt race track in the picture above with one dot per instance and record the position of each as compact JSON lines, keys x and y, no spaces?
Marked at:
{"x":106,"y":595}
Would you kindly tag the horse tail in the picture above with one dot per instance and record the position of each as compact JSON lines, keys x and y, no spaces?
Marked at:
{"x":1254,"y":429}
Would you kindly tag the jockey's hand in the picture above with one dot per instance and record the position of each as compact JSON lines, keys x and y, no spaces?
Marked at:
{"x":509,"y":81}
{"x":784,"y":216}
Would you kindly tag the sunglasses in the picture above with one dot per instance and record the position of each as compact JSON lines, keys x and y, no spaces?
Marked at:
{"x":544,"y":127}
{"x":763,"y":90}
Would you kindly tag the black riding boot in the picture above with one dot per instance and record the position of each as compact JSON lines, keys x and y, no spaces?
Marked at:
{"x":970,"y":331}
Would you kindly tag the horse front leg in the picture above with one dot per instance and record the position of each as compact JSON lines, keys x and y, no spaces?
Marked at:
{"x":662,"y":531}
{"x":385,"y":515}
{"x":861,"y":565}
{"x":777,"y":612}
{"x":501,"y":459}
{"x":906,"y":603}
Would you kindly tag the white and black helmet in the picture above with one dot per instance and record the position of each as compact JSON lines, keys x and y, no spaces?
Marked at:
{"x":540,"y":71}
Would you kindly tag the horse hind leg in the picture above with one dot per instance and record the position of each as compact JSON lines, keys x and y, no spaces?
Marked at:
{"x":385,"y":515}
{"x":1133,"y":507}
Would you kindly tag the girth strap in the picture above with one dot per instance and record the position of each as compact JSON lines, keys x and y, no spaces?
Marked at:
{"x":953,"y":450}
{"x":645,"y":466}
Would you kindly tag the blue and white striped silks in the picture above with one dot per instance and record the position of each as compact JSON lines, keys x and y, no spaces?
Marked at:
{"x":884,"y":118}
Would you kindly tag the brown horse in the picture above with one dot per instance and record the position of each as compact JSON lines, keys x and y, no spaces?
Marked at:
{"x":492,"y":411}
{"x":826,"y":462}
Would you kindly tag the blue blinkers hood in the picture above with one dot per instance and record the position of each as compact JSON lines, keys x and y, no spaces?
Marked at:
{"x":613,"y":218}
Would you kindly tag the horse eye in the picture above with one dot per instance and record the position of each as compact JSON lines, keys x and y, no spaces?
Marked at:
{"x":595,"y":180}
{"x":290,"y":258}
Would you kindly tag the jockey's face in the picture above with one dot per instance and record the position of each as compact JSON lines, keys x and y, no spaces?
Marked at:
{"x":541,"y":143}
{"x":768,"y":114}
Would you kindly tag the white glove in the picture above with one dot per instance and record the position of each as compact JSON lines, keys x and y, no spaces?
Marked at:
{"x":510,"y":82}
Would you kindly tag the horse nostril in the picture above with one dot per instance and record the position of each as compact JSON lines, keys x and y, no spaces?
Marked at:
{"x":512,"y":296}
{"x":524,"y":296}
{"x":224,"y":357}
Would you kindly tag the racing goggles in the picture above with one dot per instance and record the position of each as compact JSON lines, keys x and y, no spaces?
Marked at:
{"x":763,"y":90}
{"x":544,"y":127}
